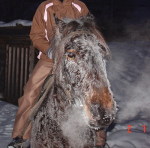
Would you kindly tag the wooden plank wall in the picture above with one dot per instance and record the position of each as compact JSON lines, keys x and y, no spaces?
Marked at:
{"x":19,"y":64}
{"x":17,"y":59}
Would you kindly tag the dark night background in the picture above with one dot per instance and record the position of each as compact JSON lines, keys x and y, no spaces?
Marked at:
{"x":133,"y":10}
{"x":112,"y":15}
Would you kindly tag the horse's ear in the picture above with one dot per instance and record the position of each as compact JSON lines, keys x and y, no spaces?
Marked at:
{"x":59,"y":23}
{"x":88,"y":18}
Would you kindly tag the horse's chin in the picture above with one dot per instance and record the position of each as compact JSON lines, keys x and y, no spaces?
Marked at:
{"x":97,"y":128}
{"x":98,"y":124}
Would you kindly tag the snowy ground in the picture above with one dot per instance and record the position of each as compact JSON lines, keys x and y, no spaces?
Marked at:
{"x":15,"y":23}
{"x":129,"y":72}
{"x":7,"y":115}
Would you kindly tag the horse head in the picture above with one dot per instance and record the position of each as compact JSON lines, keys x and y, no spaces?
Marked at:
{"x":80,"y":54}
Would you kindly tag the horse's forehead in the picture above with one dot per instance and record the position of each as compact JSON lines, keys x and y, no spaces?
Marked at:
{"x":81,"y":42}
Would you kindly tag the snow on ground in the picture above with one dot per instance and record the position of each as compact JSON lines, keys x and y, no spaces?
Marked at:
{"x":15,"y":23}
{"x":7,"y":116}
{"x":128,"y":71}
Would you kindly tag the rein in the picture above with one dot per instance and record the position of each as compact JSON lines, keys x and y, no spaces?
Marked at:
{"x":47,"y":86}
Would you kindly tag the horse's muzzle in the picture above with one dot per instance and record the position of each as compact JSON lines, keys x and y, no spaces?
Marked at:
{"x":100,"y":117}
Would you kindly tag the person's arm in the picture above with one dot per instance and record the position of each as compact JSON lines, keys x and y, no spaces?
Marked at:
{"x":84,"y":9}
{"x":37,"y":33}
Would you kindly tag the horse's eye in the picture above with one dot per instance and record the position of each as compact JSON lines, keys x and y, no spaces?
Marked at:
{"x":71,"y":55}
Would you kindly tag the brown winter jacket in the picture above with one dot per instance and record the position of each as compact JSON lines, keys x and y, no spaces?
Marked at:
{"x":42,"y":30}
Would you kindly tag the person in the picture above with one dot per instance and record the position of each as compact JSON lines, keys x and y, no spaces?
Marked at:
{"x":42,"y":31}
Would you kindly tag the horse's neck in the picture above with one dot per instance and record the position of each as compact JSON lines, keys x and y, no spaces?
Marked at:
{"x":56,"y":102}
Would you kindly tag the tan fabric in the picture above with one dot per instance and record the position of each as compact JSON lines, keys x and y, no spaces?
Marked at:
{"x":31,"y":92}
{"x":61,"y":10}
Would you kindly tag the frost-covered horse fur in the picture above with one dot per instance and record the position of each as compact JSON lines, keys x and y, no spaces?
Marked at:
{"x":80,"y":101}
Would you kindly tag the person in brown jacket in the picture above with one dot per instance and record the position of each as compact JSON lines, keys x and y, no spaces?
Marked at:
{"x":42,"y":31}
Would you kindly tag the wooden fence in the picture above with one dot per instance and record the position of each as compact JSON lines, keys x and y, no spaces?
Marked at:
{"x":17,"y":60}
{"x":19,"y":64}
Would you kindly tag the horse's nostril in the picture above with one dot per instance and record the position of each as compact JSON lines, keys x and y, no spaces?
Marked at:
{"x":107,"y":120}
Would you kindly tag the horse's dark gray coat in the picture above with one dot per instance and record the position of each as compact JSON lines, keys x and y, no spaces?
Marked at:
{"x":79,"y":68}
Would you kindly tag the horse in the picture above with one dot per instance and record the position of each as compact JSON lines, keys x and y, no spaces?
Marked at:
{"x":79,"y":104}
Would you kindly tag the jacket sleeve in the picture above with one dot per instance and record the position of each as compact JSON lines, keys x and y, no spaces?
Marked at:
{"x":84,"y":10}
{"x":37,"y":33}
